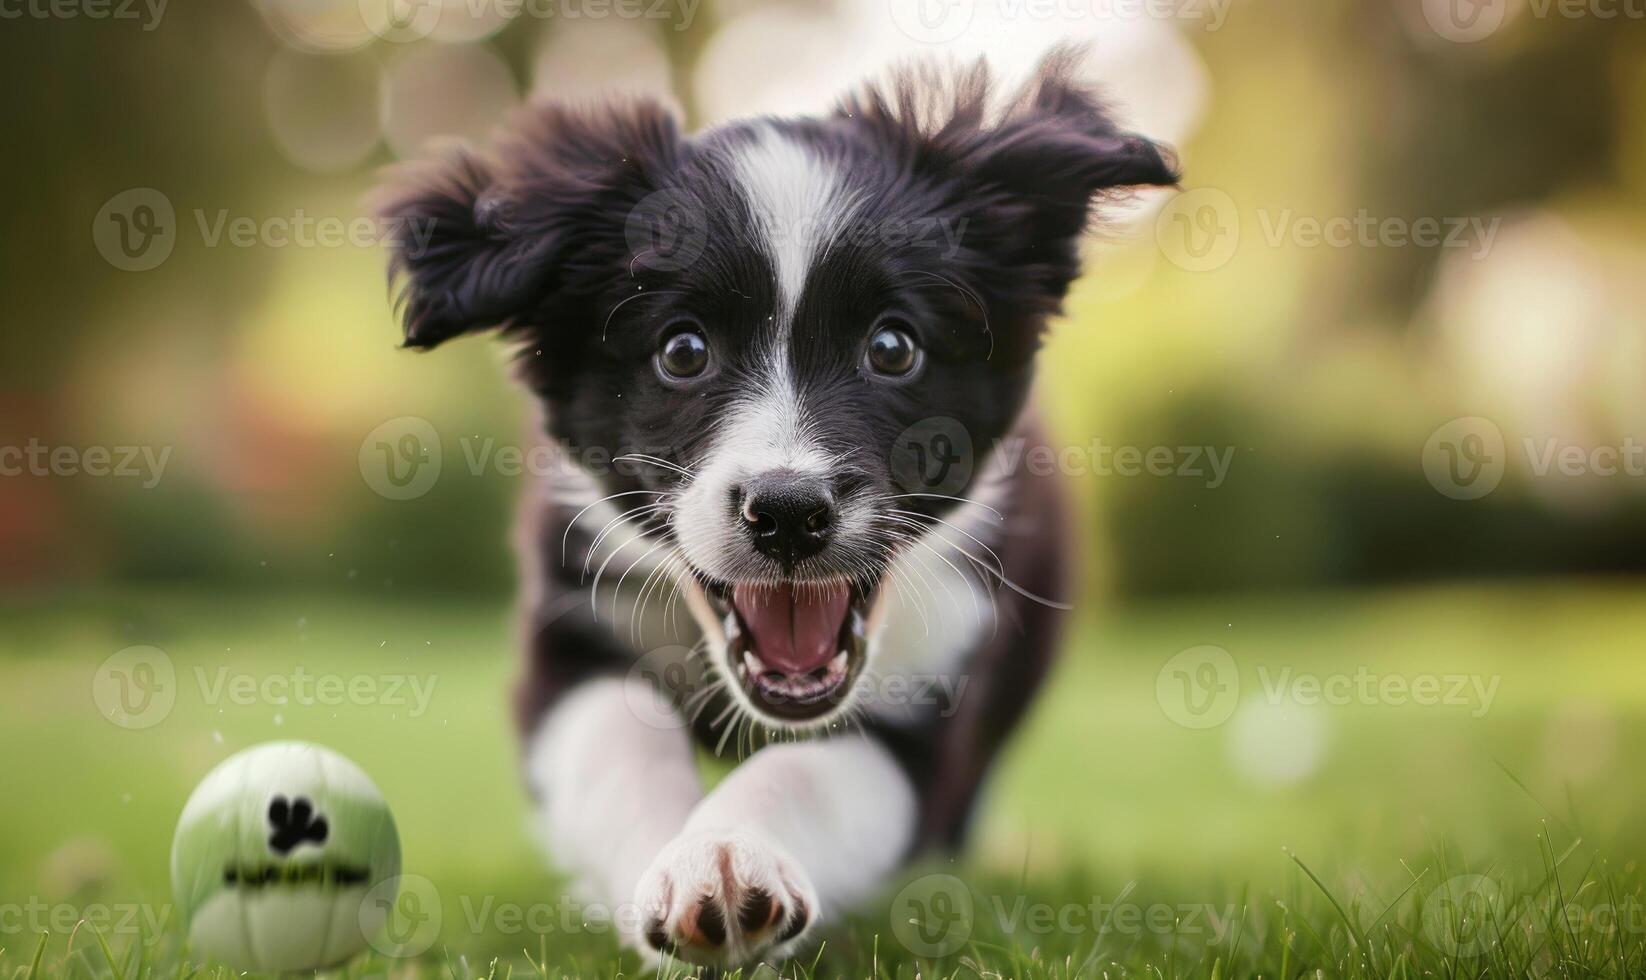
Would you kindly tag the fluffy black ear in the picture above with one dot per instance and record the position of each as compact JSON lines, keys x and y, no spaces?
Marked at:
{"x":1052,"y":147}
{"x":483,"y":240}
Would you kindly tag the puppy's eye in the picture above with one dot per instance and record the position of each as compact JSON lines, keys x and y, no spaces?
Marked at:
{"x":684,"y":354}
{"x":892,"y":350}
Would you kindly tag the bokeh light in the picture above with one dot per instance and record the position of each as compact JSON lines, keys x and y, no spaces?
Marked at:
{"x":1277,"y":742}
{"x":444,"y":91}
{"x":322,"y":109}
{"x":606,"y":57}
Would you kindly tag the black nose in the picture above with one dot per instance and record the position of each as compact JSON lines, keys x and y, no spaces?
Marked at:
{"x":788,"y":515}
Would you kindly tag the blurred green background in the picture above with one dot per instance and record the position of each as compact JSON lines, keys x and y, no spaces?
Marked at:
{"x":1345,"y":538}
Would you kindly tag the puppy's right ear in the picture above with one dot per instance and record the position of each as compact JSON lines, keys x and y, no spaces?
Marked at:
{"x":480,"y":241}
{"x":460,"y":267}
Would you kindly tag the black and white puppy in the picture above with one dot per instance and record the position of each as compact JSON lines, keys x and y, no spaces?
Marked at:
{"x":776,"y":356}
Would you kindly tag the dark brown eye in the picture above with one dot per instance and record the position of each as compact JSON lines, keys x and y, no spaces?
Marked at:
{"x":684,"y":354}
{"x":892,"y":351}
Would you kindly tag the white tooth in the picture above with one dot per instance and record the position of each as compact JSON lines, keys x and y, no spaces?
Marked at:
{"x":750,"y":662}
{"x":839,"y":661}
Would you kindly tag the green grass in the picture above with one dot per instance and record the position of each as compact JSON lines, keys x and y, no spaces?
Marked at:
{"x":1112,"y":842}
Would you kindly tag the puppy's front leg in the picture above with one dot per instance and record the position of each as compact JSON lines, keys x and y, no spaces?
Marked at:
{"x":614,"y":785}
{"x":792,"y":835}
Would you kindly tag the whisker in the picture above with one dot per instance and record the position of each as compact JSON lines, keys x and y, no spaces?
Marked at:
{"x":578,"y":516}
{"x":654,"y":461}
{"x":945,"y":496}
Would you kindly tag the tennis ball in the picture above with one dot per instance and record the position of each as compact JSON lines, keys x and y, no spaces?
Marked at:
{"x":274,"y":855}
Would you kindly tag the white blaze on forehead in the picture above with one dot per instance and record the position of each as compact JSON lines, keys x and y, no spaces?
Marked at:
{"x":799,"y":203}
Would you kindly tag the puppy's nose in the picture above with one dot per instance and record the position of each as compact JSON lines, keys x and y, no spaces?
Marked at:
{"x":789,"y":515}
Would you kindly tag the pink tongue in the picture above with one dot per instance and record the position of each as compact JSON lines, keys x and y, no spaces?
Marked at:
{"x":795,"y":630}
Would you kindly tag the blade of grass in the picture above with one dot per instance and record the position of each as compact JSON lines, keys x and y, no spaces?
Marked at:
{"x":39,"y":954}
{"x":108,"y":953}
{"x":1354,"y":934}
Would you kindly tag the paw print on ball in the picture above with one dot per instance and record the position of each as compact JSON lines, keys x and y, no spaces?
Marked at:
{"x":292,"y":823}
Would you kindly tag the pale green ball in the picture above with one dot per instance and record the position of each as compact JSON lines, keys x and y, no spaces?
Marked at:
{"x":274,"y":857}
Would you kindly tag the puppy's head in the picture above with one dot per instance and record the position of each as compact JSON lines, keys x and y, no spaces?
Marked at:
{"x":760,"y":311}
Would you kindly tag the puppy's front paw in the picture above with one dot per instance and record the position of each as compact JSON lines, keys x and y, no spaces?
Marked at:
{"x":724,"y":898}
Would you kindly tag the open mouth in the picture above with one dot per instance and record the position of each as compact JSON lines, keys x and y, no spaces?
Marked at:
{"x":796,"y":648}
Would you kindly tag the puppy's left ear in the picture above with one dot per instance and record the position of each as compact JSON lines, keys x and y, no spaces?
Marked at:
{"x":490,"y":240}
{"x":1058,"y":150}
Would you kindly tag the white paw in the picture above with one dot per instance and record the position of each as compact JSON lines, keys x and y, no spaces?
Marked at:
{"x":724,"y":898}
